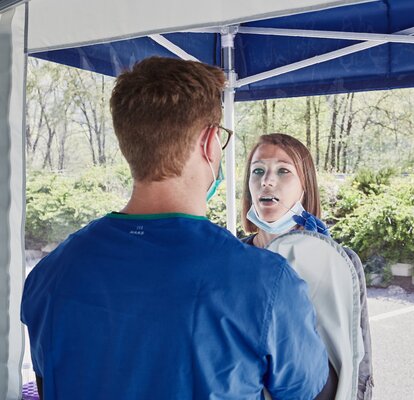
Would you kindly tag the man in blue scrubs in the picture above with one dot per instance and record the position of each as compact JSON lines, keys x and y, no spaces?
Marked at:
{"x":155,"y":301}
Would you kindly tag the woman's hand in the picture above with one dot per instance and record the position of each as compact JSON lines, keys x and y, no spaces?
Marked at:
{"x":311,"y":223}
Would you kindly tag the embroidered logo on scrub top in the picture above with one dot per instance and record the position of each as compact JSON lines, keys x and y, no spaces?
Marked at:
{"x":139,"y":230}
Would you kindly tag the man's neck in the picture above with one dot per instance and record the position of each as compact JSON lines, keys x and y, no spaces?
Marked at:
{"x":169,"y":196}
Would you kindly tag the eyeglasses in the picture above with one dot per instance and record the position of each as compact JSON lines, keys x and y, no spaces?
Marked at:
{"x":224,"y":135}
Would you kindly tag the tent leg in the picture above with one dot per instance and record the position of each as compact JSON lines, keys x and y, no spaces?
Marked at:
{"x":230,"y":162}
{"x":227,"y":56}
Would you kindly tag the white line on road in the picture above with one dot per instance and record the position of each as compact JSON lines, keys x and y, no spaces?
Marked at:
{"x":392,"y":314}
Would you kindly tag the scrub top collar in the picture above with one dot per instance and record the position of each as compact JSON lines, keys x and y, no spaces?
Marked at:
{"x":119,"y":215}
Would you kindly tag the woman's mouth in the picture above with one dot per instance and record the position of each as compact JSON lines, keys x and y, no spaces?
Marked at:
{"x":268,"y":199}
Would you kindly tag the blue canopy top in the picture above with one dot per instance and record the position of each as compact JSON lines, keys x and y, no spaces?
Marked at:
{"x":385,"y":66}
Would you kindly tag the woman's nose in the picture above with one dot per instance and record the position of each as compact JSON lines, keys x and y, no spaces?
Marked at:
{"x":268,"y":180}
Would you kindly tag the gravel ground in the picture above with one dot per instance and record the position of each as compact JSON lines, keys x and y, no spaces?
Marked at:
{"x":392,"y":293}
{"x":391,"y":313}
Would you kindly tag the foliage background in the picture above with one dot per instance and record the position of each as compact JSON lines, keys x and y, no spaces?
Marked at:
{"x":362,"y":144}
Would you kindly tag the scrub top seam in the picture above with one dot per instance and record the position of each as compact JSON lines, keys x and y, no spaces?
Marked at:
{"x":155,"y":216}
{"x":268,"y":312}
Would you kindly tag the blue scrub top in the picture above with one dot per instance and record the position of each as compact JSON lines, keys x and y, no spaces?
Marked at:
{"x":170,"y":306}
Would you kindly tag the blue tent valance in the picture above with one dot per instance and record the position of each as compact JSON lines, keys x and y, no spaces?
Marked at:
{"x":385,"y":66}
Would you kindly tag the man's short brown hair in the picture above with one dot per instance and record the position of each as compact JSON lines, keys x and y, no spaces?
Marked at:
{"x":158,"y":109}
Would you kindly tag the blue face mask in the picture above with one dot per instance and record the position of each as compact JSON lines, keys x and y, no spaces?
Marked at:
{"x":216,"y":180}
{"x":282,"y":225}
{"x":215,"y":184}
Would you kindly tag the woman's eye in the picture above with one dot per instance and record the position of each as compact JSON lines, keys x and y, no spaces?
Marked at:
{"x":258,"y":171}
{"x":283,"y":171}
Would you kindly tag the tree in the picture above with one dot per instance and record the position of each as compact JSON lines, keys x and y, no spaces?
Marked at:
{"x":316,"y":102}
{"x":91,"y":99}
{"x":265,"y":117}
{"x":49,"y":108}
{"x":308,"y":123}
{"x":65,"y":106}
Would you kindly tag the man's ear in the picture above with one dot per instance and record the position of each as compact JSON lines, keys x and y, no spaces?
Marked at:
{"x":208,"y":145}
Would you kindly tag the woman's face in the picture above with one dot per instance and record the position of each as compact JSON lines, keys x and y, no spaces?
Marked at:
{"x":273,"y":174}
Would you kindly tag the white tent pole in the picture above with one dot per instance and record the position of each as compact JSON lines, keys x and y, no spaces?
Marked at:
{"x":314,"y":60}
{"x":227,"y":57}
{"x":178,"y":51}
{"x":227,"y":53}
{"x":372,"y":37}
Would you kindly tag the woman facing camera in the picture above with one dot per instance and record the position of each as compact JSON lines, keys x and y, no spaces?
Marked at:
{"x":280,"y":190}
{"x":281,"y":195}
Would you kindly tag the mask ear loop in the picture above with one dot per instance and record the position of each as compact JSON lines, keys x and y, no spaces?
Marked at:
{"x":205,"y":153}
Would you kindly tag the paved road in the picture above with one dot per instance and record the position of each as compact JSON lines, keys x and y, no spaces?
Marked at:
{"x":392,"y":329}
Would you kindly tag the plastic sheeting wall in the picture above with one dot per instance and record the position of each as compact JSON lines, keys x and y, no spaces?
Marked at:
{"x":12,"y":160}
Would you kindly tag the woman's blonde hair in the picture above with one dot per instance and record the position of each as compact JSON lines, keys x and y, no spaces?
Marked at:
{"x":304,"y":165}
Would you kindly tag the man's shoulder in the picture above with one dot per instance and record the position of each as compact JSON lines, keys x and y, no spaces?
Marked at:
{"x":260,"y":264}
{"x":79,"y":238}
{"x":245,"y":249}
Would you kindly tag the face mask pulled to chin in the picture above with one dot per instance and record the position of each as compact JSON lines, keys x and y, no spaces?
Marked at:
{"x":282,"y":225}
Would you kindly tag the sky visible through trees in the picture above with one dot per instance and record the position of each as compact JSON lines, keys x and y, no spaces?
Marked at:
{"x":69,"y":124}
{"x":75,"y":172}
{"x":69,"y":128}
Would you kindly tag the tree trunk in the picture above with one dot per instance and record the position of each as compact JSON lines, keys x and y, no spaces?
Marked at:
{"x":341,"y":134}
{"x":47,"y":158}
{"x":348,"y":133}
{"x":335,"y":111}
{"x":28,"y":137}
{"x":265,"y":117}
{"x":328,"y":147}
{"x":330,"y":156}
{"x":317,"y":109}
{"x":308,"y":123}
{"x":62,"y":145}
{"x":102,"y":152}
{"x":358,"y":158}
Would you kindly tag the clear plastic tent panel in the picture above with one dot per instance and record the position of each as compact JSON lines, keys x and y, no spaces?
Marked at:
{"x":12,"y":66}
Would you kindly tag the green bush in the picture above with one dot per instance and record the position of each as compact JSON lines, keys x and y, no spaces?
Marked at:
{"x":371,"y":217}
{"x":217,"y":210}
{"x":375,"y":264}
{"x":57,"y":205}
{"x":349,"y":198}
{"x":371,"y":182}
{"x":380,"y":224}
{"x":329,"y":187}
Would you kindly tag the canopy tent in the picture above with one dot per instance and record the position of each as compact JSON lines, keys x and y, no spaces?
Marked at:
{"x":373,"y":38}
{"x":350,"y":48}
{"x":339,"y":48}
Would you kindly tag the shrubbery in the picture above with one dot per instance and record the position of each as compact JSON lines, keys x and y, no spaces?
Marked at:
{"x":376,"y":216}
{"x":371,"y":213}
{"x":216,"y":211}
{"x":57,"y":205}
